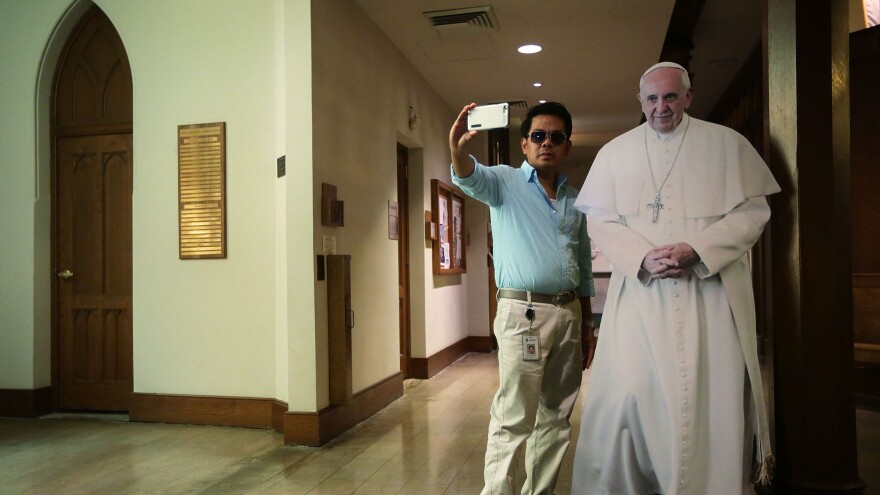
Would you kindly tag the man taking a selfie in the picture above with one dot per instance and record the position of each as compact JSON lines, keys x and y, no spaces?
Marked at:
{"x":544,"y":274}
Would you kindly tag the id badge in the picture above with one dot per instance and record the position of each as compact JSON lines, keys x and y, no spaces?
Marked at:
{"x":531,"y":347}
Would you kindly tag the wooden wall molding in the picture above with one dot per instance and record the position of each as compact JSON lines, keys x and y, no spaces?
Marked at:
{"x":316,"y":429}
{"x":427,"y":367}
{"x":298,"y":428}
{"x":16,"y":403}
{"x":207,"y":410}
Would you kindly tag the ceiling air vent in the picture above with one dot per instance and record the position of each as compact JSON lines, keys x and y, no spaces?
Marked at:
{"x":472,"y":18}
{"x":518,"y":104}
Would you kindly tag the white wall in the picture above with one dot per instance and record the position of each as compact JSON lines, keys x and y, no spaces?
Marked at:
{"x":363,"y":90}
{"x":302,"y":330}
{"x":203,"y":327}
{"x":25,"y":30}
{"x":253,"y":324}
{"x":282,"y":361}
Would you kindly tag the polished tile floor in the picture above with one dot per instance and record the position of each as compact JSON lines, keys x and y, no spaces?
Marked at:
{"x":431,"y":441}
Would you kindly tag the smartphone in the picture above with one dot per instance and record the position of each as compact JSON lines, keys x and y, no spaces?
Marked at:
{"x":488,"y":117}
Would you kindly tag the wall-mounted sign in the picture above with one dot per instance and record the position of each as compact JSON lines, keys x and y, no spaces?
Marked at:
{"x":201,"y":162}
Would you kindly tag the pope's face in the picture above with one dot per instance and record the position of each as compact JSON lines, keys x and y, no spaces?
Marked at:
{"x":664,"y":99}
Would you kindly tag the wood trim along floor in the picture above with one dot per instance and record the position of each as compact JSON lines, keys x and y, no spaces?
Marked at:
{"x":205,"y":410}
{"x":30,"y":403}
{"x":316,"y":429}
{"x":427,"y":367}
{"x":299,"y":428}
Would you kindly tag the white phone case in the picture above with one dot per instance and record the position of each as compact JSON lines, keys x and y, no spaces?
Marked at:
{"x":488,"y":117}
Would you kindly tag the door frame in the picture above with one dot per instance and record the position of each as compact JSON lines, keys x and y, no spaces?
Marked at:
{"x":403,"y":261}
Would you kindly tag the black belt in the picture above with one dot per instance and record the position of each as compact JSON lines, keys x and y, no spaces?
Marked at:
{"x":558,"y":299}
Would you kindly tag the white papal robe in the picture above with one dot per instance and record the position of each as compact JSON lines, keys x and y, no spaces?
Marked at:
{"x":675,"y":398}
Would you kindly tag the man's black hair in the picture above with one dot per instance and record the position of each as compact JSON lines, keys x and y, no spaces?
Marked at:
{"x":549,"y":108}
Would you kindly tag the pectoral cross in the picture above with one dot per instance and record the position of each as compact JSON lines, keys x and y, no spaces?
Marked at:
{"x":656,"y":206}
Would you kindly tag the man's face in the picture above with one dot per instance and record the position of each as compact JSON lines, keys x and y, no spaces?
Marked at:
{"x":664,"y":99}
{"x":546,"y":155}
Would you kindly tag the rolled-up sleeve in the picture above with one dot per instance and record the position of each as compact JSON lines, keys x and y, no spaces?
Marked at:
{"x":481,"y":185}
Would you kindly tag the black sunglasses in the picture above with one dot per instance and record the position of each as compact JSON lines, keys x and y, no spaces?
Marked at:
{"x":556,"y":137}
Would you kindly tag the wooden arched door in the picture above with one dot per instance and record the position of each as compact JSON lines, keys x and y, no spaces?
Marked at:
{"x":91,"y":223}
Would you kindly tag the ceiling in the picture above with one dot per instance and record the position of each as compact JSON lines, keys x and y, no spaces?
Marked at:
{"x":594,"y":52}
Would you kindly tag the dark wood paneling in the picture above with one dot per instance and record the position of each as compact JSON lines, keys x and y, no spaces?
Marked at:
{"x":679,"y":41}
{"x":315,"y":429}
{"x":865,"y":154}
{"x":808,"y":68}
{"x":340,"y":321}
{"x":25,"y":403}
{"x":865,"y":148}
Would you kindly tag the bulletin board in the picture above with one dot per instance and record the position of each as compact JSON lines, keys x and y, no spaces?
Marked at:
{"x":449,"y":243}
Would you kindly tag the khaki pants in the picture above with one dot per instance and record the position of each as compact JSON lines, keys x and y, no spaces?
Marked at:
{"x":534,"y":398}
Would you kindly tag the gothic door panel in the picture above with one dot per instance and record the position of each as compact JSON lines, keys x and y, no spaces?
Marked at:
{"x":91,"y":124}
{"x":94,"y":261}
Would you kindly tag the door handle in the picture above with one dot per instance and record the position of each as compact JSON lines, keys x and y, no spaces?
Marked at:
{"x":65,"y":274}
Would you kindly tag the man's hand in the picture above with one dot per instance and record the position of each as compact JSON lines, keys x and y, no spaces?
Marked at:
{"x":588,"y":342}
{"x":670,"y":261}
{"x":458,"y":138}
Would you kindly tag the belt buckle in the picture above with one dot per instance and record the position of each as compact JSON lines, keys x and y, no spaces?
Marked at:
{"x":557,"y":298}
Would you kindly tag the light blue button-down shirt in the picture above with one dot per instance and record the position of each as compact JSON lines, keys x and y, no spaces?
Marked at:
{"x":537,"y":246}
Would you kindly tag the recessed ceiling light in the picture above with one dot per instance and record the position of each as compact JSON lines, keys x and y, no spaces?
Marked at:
{"x":529,"y":49}
{"x":537,"y":84}
{"x":542,"y":101}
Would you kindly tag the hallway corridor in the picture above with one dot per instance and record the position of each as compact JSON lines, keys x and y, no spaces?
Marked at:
{"x":431,"y":441}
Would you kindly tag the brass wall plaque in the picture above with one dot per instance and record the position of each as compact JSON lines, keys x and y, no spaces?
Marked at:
{"x":201,"y":161}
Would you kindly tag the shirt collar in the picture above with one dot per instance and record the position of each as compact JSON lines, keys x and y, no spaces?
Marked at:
{"x":531,"y":175}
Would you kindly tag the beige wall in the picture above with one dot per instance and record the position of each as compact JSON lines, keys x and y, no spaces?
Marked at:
{"x":315,"y":81}
{"x":202,"y":327}
{"x":362,"y":93}
{"x":301,"y":328}
{"x":25,"y":28}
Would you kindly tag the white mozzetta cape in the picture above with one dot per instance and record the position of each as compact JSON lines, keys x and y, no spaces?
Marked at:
{"x":721,"y":183}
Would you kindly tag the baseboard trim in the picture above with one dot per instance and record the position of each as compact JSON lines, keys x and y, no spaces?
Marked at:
{"x":316,"y":429}
{"x":298,"y":428}
{"x":427,"y":367}
{"x":29,"y":403}
{"x":249,"y":412}
{"x":480,"y":344}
